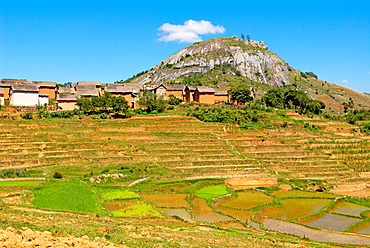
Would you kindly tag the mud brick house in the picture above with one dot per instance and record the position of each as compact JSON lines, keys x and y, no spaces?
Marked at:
{"x":47,"y":87}
{"x":128,"y":91}
{"x":70,"y":88}
{"x":87,"y":90}
{"x":1,"y":96}
{"x":97,"y":85}
{"x":204,"y":94}
{"x":189,"y":93}
{"x":170,"y":89}
{"x":221,"y":96}
{"x":67,"y":101}
{"x":24,"y":94}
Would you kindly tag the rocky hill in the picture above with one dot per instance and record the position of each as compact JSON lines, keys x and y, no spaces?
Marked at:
{"x":221,"y":61}
{"x":250,"y":58}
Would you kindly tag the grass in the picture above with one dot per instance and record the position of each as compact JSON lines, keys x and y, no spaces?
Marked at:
{"x":212,"y":191}
{"x":66,"y":195}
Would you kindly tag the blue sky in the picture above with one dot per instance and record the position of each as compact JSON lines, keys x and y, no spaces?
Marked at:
{"x":110,"y":40}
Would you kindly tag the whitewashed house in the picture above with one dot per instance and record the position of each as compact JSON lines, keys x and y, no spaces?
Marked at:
{"x":24,"y":95}
{"x":43,"y":98}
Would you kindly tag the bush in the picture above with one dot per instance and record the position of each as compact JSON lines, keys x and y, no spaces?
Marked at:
{"x":27,"y":116}
{"x":57,"y":175}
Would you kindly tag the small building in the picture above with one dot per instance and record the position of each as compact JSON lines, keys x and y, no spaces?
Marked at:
{"x":47,"y":87}
{"x":86,"y":90}
{"x":128,"y":91}
{"x":170,"y":89}
{"x":5,"y":87}
{"x":24,"y":95}
{"x":204,"y":94}
{"x":67,"y":101}
{"x":43,"y":98}
{"x":221,"y":96}
{"x":189,"y":93}
{"x":2,"y":96}
{"x":96,"y":84}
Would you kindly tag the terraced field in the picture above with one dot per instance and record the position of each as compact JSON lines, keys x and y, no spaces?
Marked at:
{"x":174,"y":165}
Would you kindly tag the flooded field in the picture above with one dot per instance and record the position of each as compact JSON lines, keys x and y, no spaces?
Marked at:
{"x":173,"y":200}
{"x":182,"y":213}
{"x":203,"y":212}
{"x":333,"y":222}
{"x":248,"y":199}
{"x":294,"y":208}
{"x":348,"y":208}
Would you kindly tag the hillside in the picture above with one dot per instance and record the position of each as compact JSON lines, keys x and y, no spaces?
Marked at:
{"x":220,"y":62}
{"x":122,"y":180}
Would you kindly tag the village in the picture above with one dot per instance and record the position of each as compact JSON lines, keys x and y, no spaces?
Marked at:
{"x":21,"y":92}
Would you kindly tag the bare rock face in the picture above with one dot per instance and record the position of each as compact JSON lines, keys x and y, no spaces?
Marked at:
{"x":251,"y":58}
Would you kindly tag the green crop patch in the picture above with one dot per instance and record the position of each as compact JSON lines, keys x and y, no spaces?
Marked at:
{"x":131,"y":208}
{"x":66,"y":195}
{"x":18,"y":183}
{"x":212,"y":191}
{"x":118,"y":194}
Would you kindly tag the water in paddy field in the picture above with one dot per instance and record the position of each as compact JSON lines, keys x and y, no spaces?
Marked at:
{"x":333,"y":222}
{"x":294,"y":208}
{"x":182,"y":213}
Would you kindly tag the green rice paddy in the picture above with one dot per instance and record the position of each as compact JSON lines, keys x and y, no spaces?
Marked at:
{"x":17,"y":183}
{"x":68,"y":196}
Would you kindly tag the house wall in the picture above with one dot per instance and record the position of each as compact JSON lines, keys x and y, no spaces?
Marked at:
{"x":24,"y":99}
{"x":6,"y":92}
{"x":43,"y":100}
{"x":218,"y":99}
{"x":2,"y":101}
{"x":50,"y":91}
{"x":178,"y":94}
{"x":208,"y":98}
{"x":161,"y":91}
{"x":189,"y":96}
{"x":67,"y":105}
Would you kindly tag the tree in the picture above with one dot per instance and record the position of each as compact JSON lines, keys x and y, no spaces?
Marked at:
{"x":242,"y":36}
{"x":248,"y":37}
{"x":240,"y":93}
{"x":310,"y":73}
{"x":173,"y":100}
{"x":103,"y":104}
{"x":151,"y":102}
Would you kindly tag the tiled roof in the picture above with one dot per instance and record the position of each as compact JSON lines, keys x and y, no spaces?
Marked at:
{"x":25,"y":87}
{"x":46,"y":84}
{"x":66,"y":97}
{"x":42,"y":94}
{"x":221,"y":93}
{"x":205,"y":89}
{"x":96,"y":83}
{"x":175,"y":87}
{"x":87,"y":93}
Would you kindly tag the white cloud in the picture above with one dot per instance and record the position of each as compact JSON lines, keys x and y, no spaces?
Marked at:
{"x":189,"y":32}
{"x":368,"y":72}
{"x":344,"y":81}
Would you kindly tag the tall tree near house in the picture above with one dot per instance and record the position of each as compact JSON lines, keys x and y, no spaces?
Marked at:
{"x":151,"y":102}
{"x":242,"y":36}
{"x":248,"y":37}
{"x":240,"y":93}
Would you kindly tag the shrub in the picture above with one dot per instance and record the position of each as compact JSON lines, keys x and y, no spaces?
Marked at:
{"x":57,"y":175}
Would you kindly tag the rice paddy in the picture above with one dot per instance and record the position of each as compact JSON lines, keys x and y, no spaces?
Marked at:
{"x":177,"y":166}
